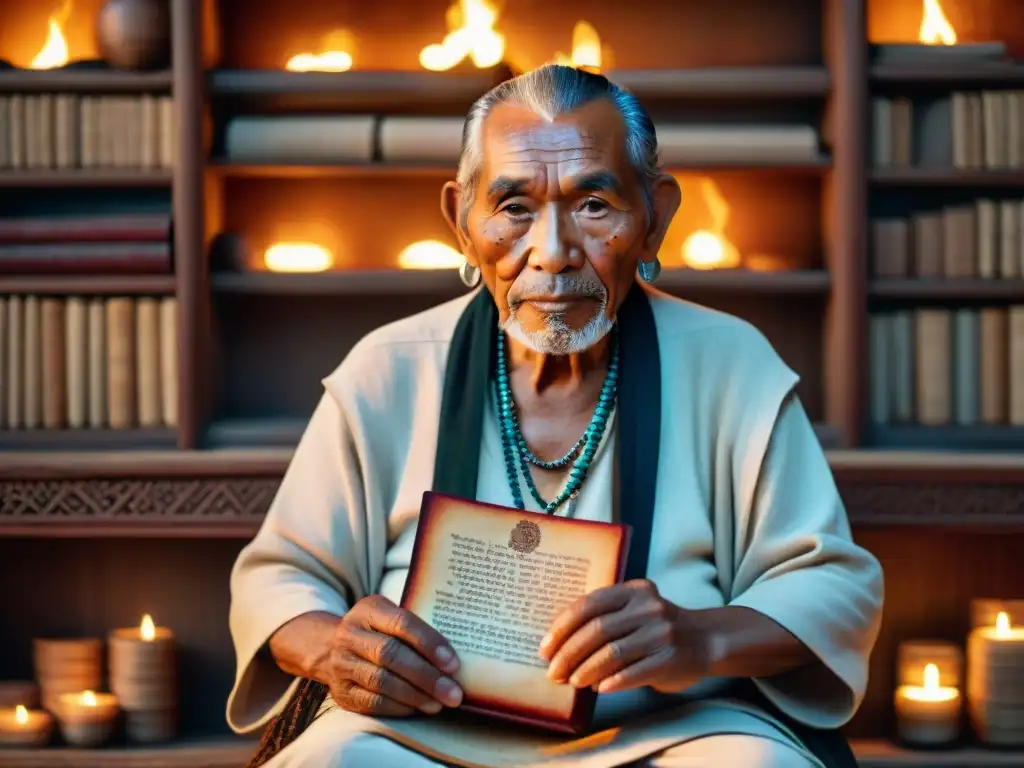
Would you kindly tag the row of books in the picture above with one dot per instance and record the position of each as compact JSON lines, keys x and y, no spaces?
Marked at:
{"x":983,"y":239}
{"x":970,"y":130}
{"x":948,"y":366}
{"x":100,"y":363}
{"x":127,"y":243}
{"x":63,"y":131}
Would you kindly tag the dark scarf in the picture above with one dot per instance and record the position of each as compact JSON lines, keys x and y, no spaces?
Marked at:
{"x":467,"y":382}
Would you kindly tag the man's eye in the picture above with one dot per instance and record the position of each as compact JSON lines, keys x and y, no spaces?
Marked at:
{"x":594,"y":206}
{"x":515,"y":210}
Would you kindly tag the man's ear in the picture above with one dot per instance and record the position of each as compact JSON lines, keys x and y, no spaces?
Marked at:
{"x":665,"y":200}
{"x":451,"y":194}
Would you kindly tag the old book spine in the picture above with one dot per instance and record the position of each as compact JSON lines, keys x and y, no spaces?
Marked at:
{"x":169,"y":360}
{"x":5,"y":132}
{"x":961,"y":128}
{"x":147,"y":361}
{"x":1016,"y":333}
{"x":87,"y":131}
{"x":1020,"y":238}
{"x":994,"y":120}
{"x":975,"y":131}
{"x":138,"y":140}
{"x":15,"y":362}
{"x":54,"y":369}
{"x":891,"y":247}
{"x":103,"y":123}
{"x":929,"y":259}
{"x":82,"y":230}
{"x":957,"y":242}
{"x":97,"y":388}
{"x":76,"y":329}
{"x":879,"y":345}
{"x":993,"y":365}
{"x":881,"y":132}
{"x":903,"y":364}
{"x":67,"y":131}
{"x":121,"y":406}
{"x":1014,"y":134}
{"x":1009,"y":238}
{"x":966,"y":398}
{"x":31,"y":122}
{"x":45,"y":118}
{"x":149,"y":132}
{"x":33,"y":370}
{"x":86,"y":258}
{"x":987,"y":242}
{"x":933,"y":337}
{"x":902,"y":132}
{"x":16,"y":107}
{"x":168,"y":132}
{"x":3,"y":362}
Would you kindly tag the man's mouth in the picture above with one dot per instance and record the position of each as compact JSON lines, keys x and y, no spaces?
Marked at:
{"x":555,"y":304}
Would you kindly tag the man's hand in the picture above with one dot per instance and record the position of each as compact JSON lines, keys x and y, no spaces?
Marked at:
{"x":387,"y":662}
{"x":627,"y":636}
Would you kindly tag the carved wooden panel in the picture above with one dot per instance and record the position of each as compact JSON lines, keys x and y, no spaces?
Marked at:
{"x":933,"y":503}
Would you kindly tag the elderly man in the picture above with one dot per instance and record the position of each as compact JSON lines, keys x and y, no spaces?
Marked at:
{"x":562,"y":385}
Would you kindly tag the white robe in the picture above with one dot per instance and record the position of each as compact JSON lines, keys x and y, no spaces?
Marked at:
{"x":746,"y":514}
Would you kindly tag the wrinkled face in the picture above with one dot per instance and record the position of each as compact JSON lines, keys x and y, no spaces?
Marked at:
{"x":558,"y":223}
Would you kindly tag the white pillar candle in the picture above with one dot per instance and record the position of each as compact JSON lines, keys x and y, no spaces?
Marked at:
{"x":87,"y":719}
{"x":24,"y":727}
{"x":928,"y":714}
{"x":995,"y":681}
{"x":143,"y":674}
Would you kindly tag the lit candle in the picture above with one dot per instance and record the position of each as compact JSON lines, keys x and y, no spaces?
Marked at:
{"x":995,"y":681}
{"x":66,"y":665}
{"x":87,"y":719}
{"x":928,"y":714}
{"x":143,"y":674}
{"x":23,"y":727}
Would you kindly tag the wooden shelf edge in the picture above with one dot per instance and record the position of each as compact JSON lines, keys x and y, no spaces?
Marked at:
{"x":84,"y":177}
{"x":199,"y":753}
{"x":755,"y":83}
{"x":948,"y":289}
{"x":944,"y":76}
{"x":144,"y":465}
{"x":87,"y":285}
{"x":83,"y":81}
{"x":879,"y":753}
{"x":950,"y":177}
{"x":37,"y":440}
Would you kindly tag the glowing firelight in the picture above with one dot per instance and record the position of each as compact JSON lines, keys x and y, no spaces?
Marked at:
{"x":710,"y":248}
{"x":471,"y":34}
{"x":54,"y":52}
{"x":88,"y":699}
{"x":147,"y":630}
{"x":20,"y":714}
{"x":586,"y":48}
{"x":429,"y":254}
{"x":935,"y":27}
{"x":1003,"y":624}
{"x":297,"y":257}
{"x":335,"y":57}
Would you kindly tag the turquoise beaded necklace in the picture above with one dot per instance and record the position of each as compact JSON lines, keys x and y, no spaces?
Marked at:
{"x":518,"y":456}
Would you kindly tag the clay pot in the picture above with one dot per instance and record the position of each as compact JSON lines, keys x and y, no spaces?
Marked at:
{"x":135,"y":34}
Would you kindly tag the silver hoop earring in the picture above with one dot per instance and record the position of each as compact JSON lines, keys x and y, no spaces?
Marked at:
{"x":469,"y":275}
{"x":649,"y":270}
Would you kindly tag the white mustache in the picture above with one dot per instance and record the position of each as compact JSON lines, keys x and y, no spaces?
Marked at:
{"x":556,"y":286}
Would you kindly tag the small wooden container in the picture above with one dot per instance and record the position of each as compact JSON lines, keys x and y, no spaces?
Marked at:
{"x":995,"y":672}
{"x":143,"y":664}
{"x":24,"y":727}
{"x":15,"y":692}
{"x":87,"y":719}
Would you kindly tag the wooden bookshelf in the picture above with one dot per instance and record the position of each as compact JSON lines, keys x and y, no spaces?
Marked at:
{"x":727,"y":83}
{"x":86,"y":439}
{"x":941,"y":289}
{"x":89,"y":81}
{"x":84,"y":178}
{"x":88,"y":285}
{"x":948,"y":177}
{"x":948,"y":77}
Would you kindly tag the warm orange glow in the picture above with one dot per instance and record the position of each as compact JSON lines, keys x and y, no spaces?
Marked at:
{"x":586,"y":48}
{"x":710,"y":248}
{"x":931,"y":690}
{"x":1003,"y":624}
{"x":335,"y":57}
{"x":471,"y":34}
{"x":935,"y":27}
{"x":88,"y":699}
{"x":20,"y":714}
{"x":429,"y":254}
{"x":147,"y":630}
{"x":297,"y":257}
{"x":54,"y":52}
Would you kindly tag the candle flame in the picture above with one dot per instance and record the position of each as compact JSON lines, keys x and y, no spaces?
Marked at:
{"x":931,"y":677}
{"x":935,"y":27}
{"x":710,"y":248}
{"x":54,"y":52}
{"x":1003,"y":624}
{"x":335,"y":57}
{"x":20,"y":714}
{"x":471,"y":34}
{"x":88,"y":699}
{"x":147,"y":629}
{"x":586,"y":48}
{"x":429,"y":254}
{"x":297,"y":257}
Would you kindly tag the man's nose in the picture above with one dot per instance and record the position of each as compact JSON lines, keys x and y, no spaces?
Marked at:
{"x":553,"y":247}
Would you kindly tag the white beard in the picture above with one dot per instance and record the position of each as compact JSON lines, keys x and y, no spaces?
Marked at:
{"x":557,"y":338}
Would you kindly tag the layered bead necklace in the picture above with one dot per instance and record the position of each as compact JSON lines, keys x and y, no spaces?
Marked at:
{"x":519,"y":457}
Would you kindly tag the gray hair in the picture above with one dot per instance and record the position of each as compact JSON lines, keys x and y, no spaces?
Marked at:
{"x":549,"y":92}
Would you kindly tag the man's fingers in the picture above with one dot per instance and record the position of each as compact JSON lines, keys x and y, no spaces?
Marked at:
{"x":389,"y":619}
{"x":646,"y":671}
{"x":394,"y":655}
{"x":616,"y":655}
{"x":389,"y":685}
{"x":355,"y":698}
{"x":590,"y":639}
{"x":597,"y":603}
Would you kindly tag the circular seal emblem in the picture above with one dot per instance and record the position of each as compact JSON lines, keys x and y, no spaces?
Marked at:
{"x":525,"y":537}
